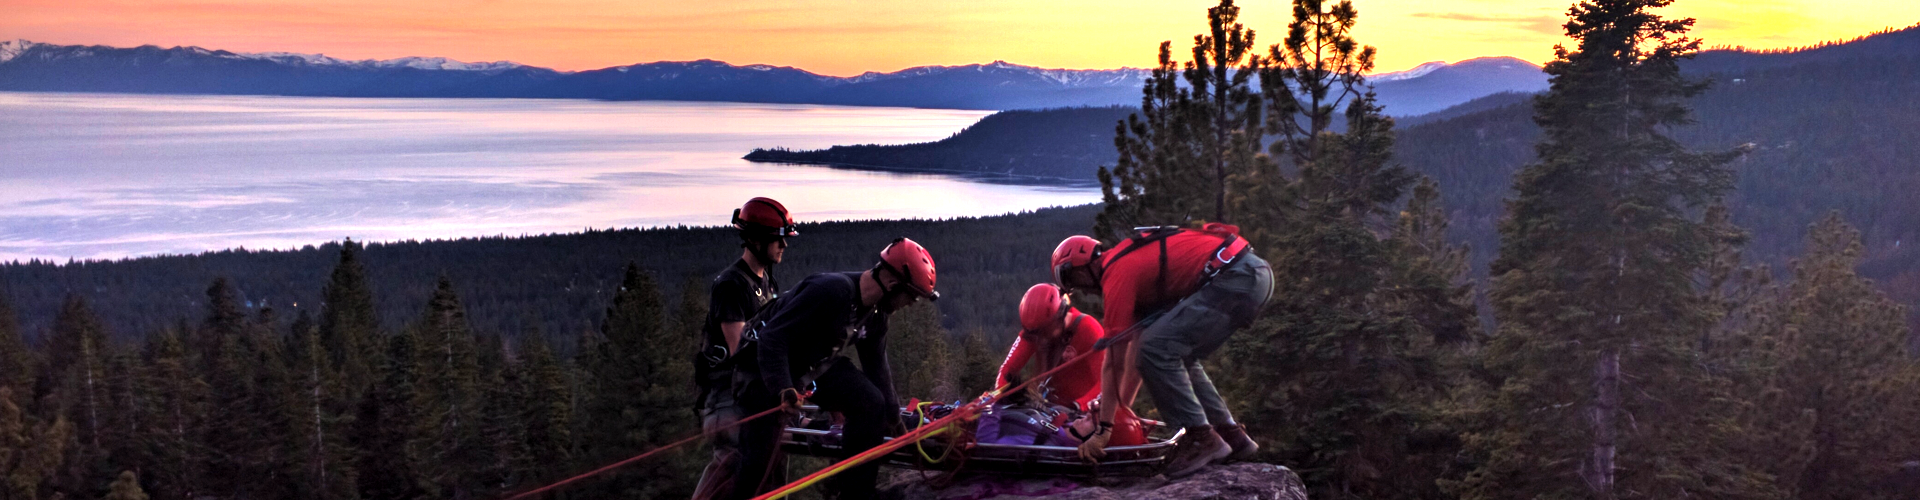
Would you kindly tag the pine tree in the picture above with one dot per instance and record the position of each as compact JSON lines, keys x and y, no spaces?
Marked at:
{"x":1314,"y":78}
{"x":1837,"y":389}
{"x":171,"y":442}
{"x":383,"y":426}
{"x":274,"y":411}
{"x":17,"y":361}
{"x":321,"y":456}
{"x":1598,"y":393}
{"x":127,"y":407}
{"x":445,"y":442}
{"x":349,"y":326}
{"x":928,"y":361}
{"x":127,"y":487}
{"x":982,"y":364}
{"x":228,"y":359}
{"x":1428,"y":271}
{"x":1339,"y":377}
{"x":502,"y":436}
{"x":640,"y":396}
{"x":30,"y":452}
{"x":77,"y":371}
{"x":549,"y":411}
{"x":1199,"y":125}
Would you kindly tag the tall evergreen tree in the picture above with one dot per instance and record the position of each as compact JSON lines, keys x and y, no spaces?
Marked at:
{"x":1837,"y":391}
{"x":383,"y":424}
{"x":1312,"y":80}
{"x":641,"y":400}
{"x":17,"y":361}
{"x":227,"y":359}
{"x":175,"y":457}
{"x":1340,"y":374}
{"x":1598,"y":393}
{"x":127,"y":408}
{"x":349,"y":325}
{"x":445,"y":442}
{"x":502,"y":435}
{"x":78,"y":392}
{"x":931,"y":363}
{"x":321,"y":455}
{"x":30,"y":452}
{"x":549,"y":411}
{"x":1199,"y":125}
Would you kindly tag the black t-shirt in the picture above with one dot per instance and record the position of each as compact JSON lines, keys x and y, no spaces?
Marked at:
{"x":736,"y":295}
{"x":823,"y":313}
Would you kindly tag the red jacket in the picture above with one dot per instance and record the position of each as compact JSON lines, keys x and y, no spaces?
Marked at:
{"x":1077,"y":384}
{"x":1132,"y":283}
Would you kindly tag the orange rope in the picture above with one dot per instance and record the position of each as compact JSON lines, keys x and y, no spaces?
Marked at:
{"x":689,"y":439}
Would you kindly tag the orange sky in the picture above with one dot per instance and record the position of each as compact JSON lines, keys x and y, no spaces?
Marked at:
{"x":845,"y":37}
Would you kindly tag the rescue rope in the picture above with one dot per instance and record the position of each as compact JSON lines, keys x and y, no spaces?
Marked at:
{"x":643,"y":456}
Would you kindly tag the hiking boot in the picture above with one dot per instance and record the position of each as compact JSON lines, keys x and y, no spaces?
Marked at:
{"x":1243,"y":446}
{"x":1199,"y":447}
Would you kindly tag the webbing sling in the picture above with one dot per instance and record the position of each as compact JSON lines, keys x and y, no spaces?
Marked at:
{"x":1230,"y":249}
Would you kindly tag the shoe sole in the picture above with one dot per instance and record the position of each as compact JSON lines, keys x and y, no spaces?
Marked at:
{"x":1224,"y":451}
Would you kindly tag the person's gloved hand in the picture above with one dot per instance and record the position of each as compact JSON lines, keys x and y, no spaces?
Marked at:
{"x":790,"y":399}
{"x":1095,"y":447}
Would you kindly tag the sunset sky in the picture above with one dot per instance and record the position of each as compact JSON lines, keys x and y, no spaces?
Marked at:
{"x":846,"y":37}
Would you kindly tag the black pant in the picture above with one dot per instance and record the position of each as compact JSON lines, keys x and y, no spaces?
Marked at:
{"x":843,"y":389}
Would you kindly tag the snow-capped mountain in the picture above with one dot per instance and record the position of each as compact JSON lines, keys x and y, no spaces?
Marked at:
{"x":29,"y":66}
{"x":12,"y":48}
{"x":1437,"y":85}
{"x":427,"y":63}
{"x":1068,"y":78}
{"x":1417,"y":71}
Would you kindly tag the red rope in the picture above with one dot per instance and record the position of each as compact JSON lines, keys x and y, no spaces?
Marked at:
{"x":643,"y":456}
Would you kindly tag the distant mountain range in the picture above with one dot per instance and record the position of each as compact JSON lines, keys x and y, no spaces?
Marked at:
{"x":40,"y":67}
{"x":1834,"y":127}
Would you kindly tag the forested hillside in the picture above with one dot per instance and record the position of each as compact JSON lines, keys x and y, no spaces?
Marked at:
{"x":557,"y":283}
{"x":1833,"y":128}
{"x":1840,"y":131}
{"x":1050,"y":145}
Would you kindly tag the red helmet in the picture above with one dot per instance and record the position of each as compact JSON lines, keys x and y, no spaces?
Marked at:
{"x":1127,"y":430}
{"x":1073,"y":252}
{"x":1042,"y":307}
{"x":911,"y":263}
{"x":764,"y":217}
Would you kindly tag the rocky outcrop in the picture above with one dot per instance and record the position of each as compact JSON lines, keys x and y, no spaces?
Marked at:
{"x":1248,"y":481}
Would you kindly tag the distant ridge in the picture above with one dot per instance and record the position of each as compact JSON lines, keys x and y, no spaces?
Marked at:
{"x":999,"y":85}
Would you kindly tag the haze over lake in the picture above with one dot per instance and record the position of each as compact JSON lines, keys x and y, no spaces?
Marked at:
{"x":101,"y":176}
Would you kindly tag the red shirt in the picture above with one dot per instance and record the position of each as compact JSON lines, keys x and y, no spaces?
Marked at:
{"x":1079,"y":383}
{"x":1131,"y":285}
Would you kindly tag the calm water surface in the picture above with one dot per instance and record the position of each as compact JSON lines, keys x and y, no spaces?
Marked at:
{"x":110,"y":176}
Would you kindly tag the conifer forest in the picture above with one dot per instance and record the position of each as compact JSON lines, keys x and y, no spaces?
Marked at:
{"x":1622,"y":342}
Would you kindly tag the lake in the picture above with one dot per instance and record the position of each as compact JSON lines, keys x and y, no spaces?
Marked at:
{"x":106,"y":176}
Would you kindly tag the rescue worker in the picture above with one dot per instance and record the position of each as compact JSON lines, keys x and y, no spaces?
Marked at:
{"x":736,"y":294}
{"x":798,"y":351}
{"x":1054,"y":331}
{"x":1186,"y":291}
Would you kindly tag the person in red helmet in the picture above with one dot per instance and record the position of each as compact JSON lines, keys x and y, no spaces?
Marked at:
{"x":1186,"y":291}
{"x":798,"y":357}
{"x":736,"y":294}
{"x":1052,"y":330}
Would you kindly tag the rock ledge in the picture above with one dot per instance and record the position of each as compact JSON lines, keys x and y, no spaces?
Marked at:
{"x":1247,"y":481}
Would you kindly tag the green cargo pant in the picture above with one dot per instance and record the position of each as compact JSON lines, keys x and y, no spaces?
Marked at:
{"x":1172,"y":346}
